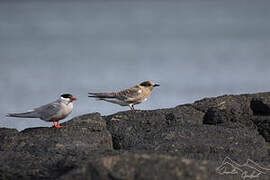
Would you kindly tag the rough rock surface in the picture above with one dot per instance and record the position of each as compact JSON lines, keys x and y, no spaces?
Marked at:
{"x":144,"y":166}
{"x":202,"y":140}
{"x":135,"y":132}
{"x":49,"y":152}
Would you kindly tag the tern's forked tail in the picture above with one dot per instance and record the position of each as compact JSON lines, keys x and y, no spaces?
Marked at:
{"x":31,"y":114}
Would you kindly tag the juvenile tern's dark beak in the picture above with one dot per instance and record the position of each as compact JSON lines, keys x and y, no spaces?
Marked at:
{"x":156,"y":85}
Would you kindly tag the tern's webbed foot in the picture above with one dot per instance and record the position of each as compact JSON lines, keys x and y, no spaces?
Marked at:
{"x":59,"y":126}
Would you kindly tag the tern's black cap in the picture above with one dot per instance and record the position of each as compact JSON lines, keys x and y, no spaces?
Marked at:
{"x":149,"y":84}
{"x":66,"y":96}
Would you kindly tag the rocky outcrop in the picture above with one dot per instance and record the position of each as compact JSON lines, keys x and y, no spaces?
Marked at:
{"x":48,"y":153}
{"x":148,"y":131}
{"x":186,"y":142}
{"x":144,"y":166}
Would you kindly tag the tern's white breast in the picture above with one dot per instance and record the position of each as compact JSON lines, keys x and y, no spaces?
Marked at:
{"x":65,"y":110}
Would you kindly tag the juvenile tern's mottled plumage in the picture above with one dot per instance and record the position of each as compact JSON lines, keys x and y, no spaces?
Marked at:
{"x":128,"y":97}
{"x":54,"y":111}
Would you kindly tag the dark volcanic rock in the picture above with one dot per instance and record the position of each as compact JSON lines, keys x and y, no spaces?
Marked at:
{"x":216,"y":116}
{"x":251,"y":111}
{"x":260,"y":107}
{"x":44,"y":152}
{"x":261,"y":115}
{"x":134,"y":166}
{"x":131,"y":124}
{"x":144,"y":166}
{"x":84,"y":133}
{"x":263,"y":126}
{"x":186,"y":142}
{"x":231,"y":111}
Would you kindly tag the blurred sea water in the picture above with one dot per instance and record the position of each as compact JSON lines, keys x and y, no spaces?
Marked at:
{"x":194,"y":49}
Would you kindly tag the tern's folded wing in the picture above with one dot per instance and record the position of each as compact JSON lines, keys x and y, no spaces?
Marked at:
{"x":48,"y":111}
{"x":131,"y":94}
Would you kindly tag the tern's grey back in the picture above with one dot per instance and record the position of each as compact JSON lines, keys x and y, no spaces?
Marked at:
{"x":48,"y":111}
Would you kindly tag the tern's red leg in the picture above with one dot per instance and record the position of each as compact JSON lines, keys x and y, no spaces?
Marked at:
{"x":58,"y":125}
{"x":54,"y":124}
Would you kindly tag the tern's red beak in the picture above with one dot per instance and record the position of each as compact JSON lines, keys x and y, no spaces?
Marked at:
{"x":73,"y":99}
